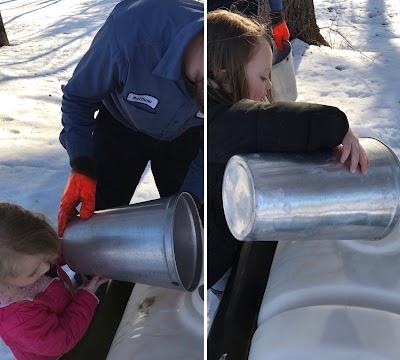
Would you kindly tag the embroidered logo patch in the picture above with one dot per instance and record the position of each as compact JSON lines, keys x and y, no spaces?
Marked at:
{"x":143,"y":99}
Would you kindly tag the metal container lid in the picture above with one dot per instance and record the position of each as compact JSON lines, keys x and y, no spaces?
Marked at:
{"x":238,"y":188}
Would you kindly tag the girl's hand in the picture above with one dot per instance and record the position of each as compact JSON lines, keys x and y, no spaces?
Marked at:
{"x":94,"y":283}
{"x":353,"y":148}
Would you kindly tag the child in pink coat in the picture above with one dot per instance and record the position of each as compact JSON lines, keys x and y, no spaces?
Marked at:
{"x":41,"y":318}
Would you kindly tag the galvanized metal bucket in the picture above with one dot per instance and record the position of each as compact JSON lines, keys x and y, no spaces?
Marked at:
{"x":157,"y":242}
{"x":312,"y":196}
{"x":283,"y":77}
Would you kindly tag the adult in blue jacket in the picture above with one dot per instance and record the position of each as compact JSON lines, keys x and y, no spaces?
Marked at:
{"x":280,"y":30}
{"x":144,"y":73}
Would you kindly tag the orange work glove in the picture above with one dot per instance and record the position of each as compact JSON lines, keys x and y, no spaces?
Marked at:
{"x":79,"y":188}
{"x":280,"y":32}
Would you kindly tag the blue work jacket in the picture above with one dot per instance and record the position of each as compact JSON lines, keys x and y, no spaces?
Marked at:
{"x":134,"y":67}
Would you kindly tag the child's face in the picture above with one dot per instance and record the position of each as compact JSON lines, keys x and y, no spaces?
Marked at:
{"x":29,"y":269}
{"x":258,"y":72}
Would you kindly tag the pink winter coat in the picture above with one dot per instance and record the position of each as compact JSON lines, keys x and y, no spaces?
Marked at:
{"x":45,"y":320}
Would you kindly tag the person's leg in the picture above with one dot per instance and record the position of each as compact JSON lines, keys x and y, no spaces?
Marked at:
{"x":122,"y":155}
{"x":235,"y":321}
{"x":171,"y":160}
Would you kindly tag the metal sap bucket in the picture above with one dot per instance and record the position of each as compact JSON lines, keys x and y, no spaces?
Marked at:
{"x":157,"y":242}
{"x":312,"y":196}
{"x":283,"y":78}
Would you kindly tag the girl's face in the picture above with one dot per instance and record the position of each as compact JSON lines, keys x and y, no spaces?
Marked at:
{"x":258,"y":72}
{"x":30,"y":268}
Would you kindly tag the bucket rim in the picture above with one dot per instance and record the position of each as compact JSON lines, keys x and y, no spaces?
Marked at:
{"x":282,"y":55}
{"x":185,"y":200}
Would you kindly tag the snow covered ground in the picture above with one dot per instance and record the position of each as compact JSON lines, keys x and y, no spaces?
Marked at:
{"x":360,"y":74}
{"x":47,"y":38}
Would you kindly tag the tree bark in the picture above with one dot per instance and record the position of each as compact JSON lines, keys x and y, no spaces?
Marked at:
{"x":3,"y":34}
{"x":299,"y":16}
{"x":300,"y":19}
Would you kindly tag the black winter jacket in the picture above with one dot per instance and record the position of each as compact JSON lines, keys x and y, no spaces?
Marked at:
{"x":251,"y":126}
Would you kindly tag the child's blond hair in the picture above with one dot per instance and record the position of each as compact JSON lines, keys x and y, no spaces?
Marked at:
{"x":232,"y":40}
{"x":24,"y":232}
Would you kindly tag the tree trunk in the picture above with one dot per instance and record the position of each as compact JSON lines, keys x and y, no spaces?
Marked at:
{"x":300,"y":19}
{"x":299,"y":16}
{"x":3,"y":34}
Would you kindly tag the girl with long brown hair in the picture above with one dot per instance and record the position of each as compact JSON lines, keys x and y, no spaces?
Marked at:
{"x":243,"y":118}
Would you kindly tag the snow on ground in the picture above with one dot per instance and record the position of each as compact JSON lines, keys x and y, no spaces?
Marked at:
{"x":48,"y":39}
{"x":360,"y":74}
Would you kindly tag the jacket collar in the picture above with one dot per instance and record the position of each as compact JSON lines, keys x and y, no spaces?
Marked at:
{"x":26,"y":293}
{"x":170,"y":65}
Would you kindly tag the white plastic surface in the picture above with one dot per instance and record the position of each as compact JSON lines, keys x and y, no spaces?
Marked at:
{"x":352,"y":272}
{"x":283,"y":75}
{"x":160,"y":324}
{"x":328,"y":332}
{"x":331,"y":300}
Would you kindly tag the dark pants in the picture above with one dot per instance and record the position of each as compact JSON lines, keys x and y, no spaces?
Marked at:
{"x":122,"y":155}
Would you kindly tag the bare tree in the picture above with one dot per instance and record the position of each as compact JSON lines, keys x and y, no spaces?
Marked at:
{"x":3,"y":34}
{"x":299,"y":16}
{"x":300,"y":19}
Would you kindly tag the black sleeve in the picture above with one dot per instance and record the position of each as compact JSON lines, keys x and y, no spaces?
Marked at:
{"x":84,"y":165}
{"x":251,"y":126}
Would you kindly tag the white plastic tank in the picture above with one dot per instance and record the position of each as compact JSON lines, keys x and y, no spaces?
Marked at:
{"x":328,"y":332}
{"x":160,"y":323}
{"x":331,"y":300}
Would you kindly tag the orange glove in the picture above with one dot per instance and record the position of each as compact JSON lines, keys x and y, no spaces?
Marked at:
{"x":280,"y":32}
{"x":79,"y":188}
